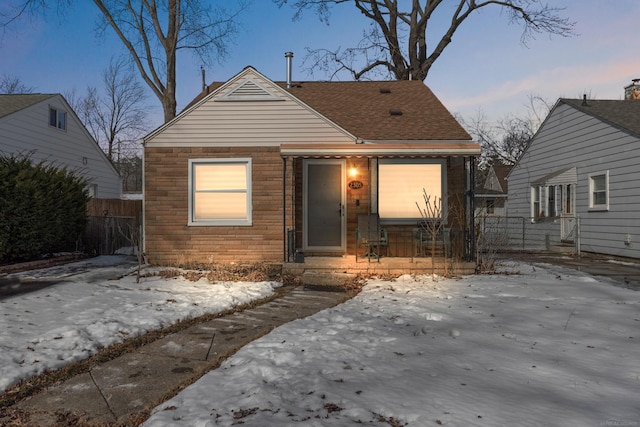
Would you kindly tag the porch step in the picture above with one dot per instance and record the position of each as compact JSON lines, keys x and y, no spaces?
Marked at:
{"x":331,"y":280}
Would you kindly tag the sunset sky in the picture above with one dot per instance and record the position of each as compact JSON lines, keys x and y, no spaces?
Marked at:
{"x":486,"y":67}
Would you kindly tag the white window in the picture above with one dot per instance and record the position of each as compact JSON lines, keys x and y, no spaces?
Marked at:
{"x":402,"y":183}
{"x":599,"y":191}
{"x":536,"y":211}
{"x":551,"y":200}
{"x":220,"y":191}
{"x":57,"y":119}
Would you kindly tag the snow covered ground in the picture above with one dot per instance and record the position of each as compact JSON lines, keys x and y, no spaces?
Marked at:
{"x":85,"y":311}
{"x":544,"y":347}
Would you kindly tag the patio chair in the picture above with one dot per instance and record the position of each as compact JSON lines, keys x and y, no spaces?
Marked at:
{"x":370,"y":236}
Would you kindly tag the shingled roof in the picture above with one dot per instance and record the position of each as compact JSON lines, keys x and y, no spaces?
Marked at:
{"x":12,"y":103}
{"x":623,"y":114}
{"x":382,"y":110}
{"x":401,"y":110}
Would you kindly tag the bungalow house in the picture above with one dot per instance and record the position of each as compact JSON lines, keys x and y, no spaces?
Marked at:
{"x":45,"y":127}
{"x":254,"y":170}
{"x":577,"y":181}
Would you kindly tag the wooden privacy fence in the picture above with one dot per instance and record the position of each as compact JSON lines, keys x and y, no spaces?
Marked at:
{"x":113,"y":227}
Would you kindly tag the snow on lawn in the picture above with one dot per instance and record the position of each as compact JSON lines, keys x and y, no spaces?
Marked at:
{"x":85,"y":311}
{"x":548,"y":346}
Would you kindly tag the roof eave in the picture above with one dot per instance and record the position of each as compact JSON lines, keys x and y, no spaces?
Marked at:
{"x":430,"y":149}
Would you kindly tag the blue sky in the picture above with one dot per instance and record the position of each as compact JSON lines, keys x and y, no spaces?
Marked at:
{"x":484,"y":68}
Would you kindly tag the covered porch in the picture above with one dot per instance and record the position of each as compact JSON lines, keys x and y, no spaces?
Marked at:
{"x":393,"y":266}
{"x":328,"y":189}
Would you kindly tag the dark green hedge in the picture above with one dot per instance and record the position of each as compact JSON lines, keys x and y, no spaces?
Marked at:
{"x":42,"y":209}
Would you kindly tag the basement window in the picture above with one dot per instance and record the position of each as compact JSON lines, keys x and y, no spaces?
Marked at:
{"x":220,"y":192}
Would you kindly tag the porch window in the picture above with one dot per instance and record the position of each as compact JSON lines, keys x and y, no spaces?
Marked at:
{"x":401,"y":184}
{"x":220,"y":191}
{"x":599,"y":191}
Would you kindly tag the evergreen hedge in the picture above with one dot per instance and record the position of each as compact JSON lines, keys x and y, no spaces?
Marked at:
{"x":42,"y":209}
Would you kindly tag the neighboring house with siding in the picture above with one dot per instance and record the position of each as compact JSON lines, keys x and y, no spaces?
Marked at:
{"x":252,"y":169}
{"x":583,"y":163}
{"x":45,"y":127}
{"x":491,"y":195}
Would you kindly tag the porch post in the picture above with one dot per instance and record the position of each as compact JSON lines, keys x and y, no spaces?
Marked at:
{"x":284,"y":209}
{"x":472,"y":215}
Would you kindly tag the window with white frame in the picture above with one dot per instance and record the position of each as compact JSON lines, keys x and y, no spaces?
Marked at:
{"x":599,"y":191}
{"x":220,"y":191}
{"x":402,"y":183}
{"x":57,"y":118}
{"x":551,"y":200}
{"x":536,"y":209}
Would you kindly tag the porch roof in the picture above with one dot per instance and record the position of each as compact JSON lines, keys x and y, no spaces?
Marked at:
{"x":415,"y":149}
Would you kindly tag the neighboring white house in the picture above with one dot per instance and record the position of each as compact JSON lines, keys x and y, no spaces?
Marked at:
{"x":583,"y":167}
{"x":45,"y":127}
{"x":491,"y":195}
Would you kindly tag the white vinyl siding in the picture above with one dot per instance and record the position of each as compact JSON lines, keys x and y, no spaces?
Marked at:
{"x":237,"y":121}
{"x":570,"y":138}
{"x":28,"y":131}
{"x":220,"y":191}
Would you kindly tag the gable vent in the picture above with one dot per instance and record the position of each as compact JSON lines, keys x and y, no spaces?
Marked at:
{"x":249,"y":91}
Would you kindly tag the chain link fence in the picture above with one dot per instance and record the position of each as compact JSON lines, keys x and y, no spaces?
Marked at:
{"x":497,"y":234}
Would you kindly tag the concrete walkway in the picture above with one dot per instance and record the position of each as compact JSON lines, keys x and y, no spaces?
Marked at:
{"x":122,"y":391}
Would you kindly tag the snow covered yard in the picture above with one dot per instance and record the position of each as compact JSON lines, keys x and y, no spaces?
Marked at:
{"x":85,"y":311}
{"x":546,"y":346}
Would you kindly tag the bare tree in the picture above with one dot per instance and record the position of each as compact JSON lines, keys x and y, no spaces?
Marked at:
{"x":506,"y":139}
{"x":13,"y":85}
{"x":116,"y":118}
{"x":432,"y":226}
{"x":403,"y":45}
{"x":153,"y":32}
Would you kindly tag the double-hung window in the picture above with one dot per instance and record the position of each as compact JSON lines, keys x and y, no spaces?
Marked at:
{"x":220,"y":191}
{"x":536,"y":209}
{"x":599,"y":191}
{"x":57,"y":118}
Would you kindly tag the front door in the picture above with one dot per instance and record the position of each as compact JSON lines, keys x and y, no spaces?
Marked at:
{"x":324,"y":205}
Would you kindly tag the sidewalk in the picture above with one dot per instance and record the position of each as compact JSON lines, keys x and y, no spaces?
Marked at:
{"x":122,"y":391}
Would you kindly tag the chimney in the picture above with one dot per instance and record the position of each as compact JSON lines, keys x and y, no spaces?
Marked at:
{"x":288,"y":55}
{"x":632,"y":92}
{"x":204,"y":84}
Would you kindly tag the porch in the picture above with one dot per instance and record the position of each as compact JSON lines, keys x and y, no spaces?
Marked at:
{"x":347,"y":264}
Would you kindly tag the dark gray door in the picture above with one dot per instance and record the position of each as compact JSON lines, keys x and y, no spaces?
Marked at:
{"x":324,"y":205}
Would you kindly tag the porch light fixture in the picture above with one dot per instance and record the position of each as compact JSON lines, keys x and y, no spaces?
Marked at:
{"x":353,"y":172}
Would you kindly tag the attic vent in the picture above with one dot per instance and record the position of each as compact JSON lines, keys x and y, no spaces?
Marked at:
{"x":249,"y":91}
{"x":395,"y":112}
{"x":385,"y":90}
